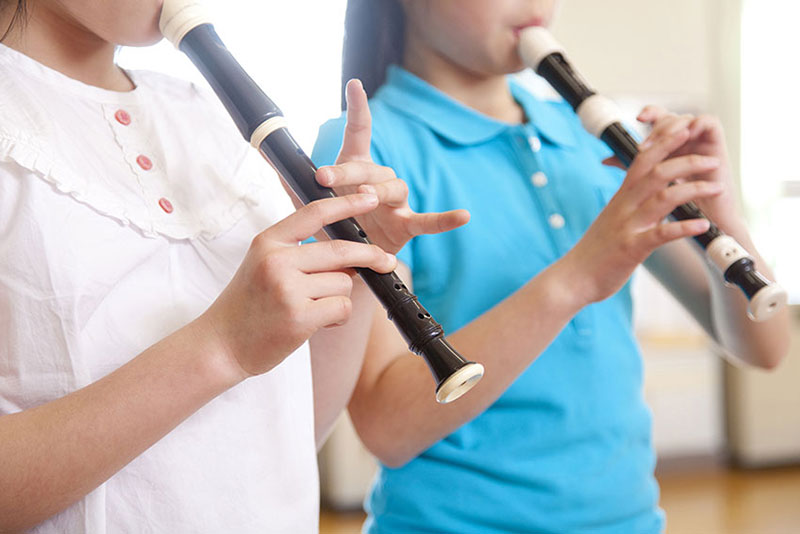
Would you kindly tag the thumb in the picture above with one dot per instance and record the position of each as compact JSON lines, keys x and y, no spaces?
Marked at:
{"x":614,"y":161}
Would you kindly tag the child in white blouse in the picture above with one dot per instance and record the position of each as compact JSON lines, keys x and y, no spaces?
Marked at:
{"x":154,"y":370}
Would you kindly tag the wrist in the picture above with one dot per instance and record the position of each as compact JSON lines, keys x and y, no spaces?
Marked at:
{"x":567,"y":288}
{"x":213,"y":355}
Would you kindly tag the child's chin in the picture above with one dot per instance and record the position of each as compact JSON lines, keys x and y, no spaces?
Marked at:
{"x":147,"y":38}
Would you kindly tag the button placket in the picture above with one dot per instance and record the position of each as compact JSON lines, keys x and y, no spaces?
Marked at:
{"x":542,"y":190}
{"x":148,"y":176}
{"x":553,"y":213}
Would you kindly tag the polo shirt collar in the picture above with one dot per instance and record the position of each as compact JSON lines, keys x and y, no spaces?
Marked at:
{"x":460,"y":124}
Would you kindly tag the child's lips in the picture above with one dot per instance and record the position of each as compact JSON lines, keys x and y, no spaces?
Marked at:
{"x":533,"y":22}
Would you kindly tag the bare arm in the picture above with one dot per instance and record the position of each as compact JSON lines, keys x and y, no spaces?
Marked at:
{"x":52,"y":455}
{"x":394,"y":408}
{"x":722,"y":310}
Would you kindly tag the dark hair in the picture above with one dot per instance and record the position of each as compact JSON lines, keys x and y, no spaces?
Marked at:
{"x":374,"y":38}
{"x":20,"y":14}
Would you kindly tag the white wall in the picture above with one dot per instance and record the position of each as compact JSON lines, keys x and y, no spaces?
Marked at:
{"x":640,"y":47}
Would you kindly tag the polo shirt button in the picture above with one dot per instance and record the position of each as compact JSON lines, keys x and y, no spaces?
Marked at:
{"x":556,"y":221}
{"x":535,"y":143}
{"x":539,"y":179}
{"x":123,"y":117}
{"x":144,"y":162}
{"x":166,"y":205}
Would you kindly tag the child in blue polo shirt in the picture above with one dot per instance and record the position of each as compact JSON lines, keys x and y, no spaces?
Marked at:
{"x":556,"y":438}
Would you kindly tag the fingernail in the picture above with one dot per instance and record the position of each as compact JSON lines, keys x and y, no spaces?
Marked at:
{"x":711,"y":161}
{"x":326,"y":176}
{"x":702,"y":225}
{"x":646,"y":144}
{"x":369,"y":198}
{"x":366,"y":189}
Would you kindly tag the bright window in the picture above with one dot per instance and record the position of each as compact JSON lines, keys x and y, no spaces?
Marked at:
{"x":770,"y":137}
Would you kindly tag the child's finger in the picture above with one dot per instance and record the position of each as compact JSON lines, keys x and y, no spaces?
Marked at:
{"x":614,"y":161}
{"x":354,"y":173}
{"x":678,"y":168}
{"x":328,"y":284}
{"x":392,"y":193}
{"x":330,"y":311}
{"x":651,"y":113}
{"x":654,"y":154}
{"x":665,"y":126}
{"x":337,"y":255}
{"x":665,"y":201}
{"x":702,"y":124}
{"x":434,"y":223}
{"x":309,"y":219}
{"x":663,"y":233}
{"x":358,"y":130}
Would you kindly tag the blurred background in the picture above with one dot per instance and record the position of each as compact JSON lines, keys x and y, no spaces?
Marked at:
{"x":728,"y":439}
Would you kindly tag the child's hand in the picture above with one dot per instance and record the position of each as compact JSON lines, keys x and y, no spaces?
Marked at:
{"x":706,"y":138}
{"x":632,"y":226}
{"x":393,"y":224}
{"x":282,"y":293}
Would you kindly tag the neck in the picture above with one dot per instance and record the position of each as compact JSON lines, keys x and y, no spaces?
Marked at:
{"x":488,"y":94}
{"x":67,"y":47}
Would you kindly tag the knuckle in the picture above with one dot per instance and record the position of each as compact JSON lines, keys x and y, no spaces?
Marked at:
{"x":629,"y":245}
{"x":295,"y":316}
{"x":353,"y":202}
{"x":339,"y":248}
{"x":261,"y":241}
{"x":346,"y":283}
{"x":345,"y":308}
{"x":695,"y":160}
{"x":401,"y":186}
{"x":272,"y":266}
{"x":377,"y":253}
{"x":284,"y":292}
{"x":313,"y":210}
{"x":663,"y":196}
{"x":658,"y":173}
{"x":662,"y":233}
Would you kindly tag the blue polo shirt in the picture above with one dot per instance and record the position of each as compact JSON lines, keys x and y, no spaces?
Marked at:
{"x":567,"y":448}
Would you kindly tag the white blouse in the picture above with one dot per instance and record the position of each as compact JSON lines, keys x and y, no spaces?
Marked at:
{"x":122,"y":217}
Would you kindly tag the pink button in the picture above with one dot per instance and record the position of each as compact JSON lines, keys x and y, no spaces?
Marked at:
{"x":144,"y":162}
{"x":166,"y":205}
{"x":123,"y":117}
